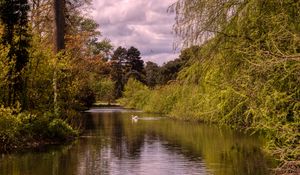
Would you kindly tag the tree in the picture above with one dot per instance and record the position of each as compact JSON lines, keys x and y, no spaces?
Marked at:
{"x":168,"y":72}
{"x":190,"y":53}
{"x":152,"y":74}
{"x":252,"y":54}
{"x":134,"y":59}
{"x":59,"y":41}
{"x":59,"y":25}
{"x":102,"y":48}
{"x":41,"y":20}
{"x":119,"y":55}
{"x":200,"y":20}
{"x":117,"y":70}
{"x":134,"y":64}
{"x":14,"y":17}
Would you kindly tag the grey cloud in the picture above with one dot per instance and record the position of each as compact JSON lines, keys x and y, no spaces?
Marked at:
{"x":118,"y":30}
{"x":144,"y":24}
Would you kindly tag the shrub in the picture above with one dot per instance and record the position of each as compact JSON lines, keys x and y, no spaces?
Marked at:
{"x":61,"y":130}
{"x":34,"y":126}
{"x":9,"y":129}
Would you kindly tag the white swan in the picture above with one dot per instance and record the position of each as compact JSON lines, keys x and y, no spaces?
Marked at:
{"x":135,"y":118}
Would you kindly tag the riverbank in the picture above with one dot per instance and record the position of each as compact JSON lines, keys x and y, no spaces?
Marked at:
{"x":120,"y":146}
{"x":188,"y":102}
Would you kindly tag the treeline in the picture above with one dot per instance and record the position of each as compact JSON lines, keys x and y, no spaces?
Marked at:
{"x":127,"y":63}
{"x":245,"y":73}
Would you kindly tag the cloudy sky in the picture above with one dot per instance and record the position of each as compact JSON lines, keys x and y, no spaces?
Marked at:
{"x":144,"y":24}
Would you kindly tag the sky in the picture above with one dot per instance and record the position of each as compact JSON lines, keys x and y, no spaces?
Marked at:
{"x":144,"y":24}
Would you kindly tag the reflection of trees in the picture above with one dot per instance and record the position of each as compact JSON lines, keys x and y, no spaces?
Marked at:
{"x":117,"y":134}
{"x":48,"y":160}
{"x":241,"y":153}
{"x":113,"y":139}
{"x":223,"y":149}
{"x":125,"y":141}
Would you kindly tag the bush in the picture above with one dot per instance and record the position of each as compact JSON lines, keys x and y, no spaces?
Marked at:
{"x":61,"y":130}
{"x":34,"y":126}
{"x":17,"y":129}
{"x":9,"y":129}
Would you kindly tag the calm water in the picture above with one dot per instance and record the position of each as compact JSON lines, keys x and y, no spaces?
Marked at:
{"x":154,"y":145}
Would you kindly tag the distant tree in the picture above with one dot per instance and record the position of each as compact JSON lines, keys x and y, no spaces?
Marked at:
{"x":14,"y":18}
{"x":125,"y":64}
{"x":104,"y":90}
{"x":190,"y":53}
{"x":102,"y":48}
{"x":152,"y":74}
{"x":119,"y":55}
{"x":135,"y":64}
{"x":134,"y":59}
{"x":169,"y":71}
{"x":117,"y":70}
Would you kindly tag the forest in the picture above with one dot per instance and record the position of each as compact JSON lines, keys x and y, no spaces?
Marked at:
{"x":239,"y":66}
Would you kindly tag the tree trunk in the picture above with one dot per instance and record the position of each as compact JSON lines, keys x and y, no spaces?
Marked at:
{"x":59,"y":25}
{"x":59,"y":43}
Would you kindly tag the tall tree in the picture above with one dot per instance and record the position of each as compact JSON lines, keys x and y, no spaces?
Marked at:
{"x":134,"y":59}
{"x":14,"y":17}
{"x":152,"y":74}
{"x":59,"y":41}
{"x":135,"y":64}
{"x":117,"y":70}
{"x":59,"y":25}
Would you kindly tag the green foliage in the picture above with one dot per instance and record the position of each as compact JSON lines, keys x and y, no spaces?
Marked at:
{"x":125,"y":64}
{"x":152,"y":73}
{"x":5,"y":67}
{"x":86,"y":96}
{"x":246,"y":75}
{"x":35,"y":126}
{"x":32,"y":75}
{"x":166,"y":104}
{"x":134,"y":61}
{"x":168,"y":72}
{"x":104,"y":89}
{"x":18,"y":129}
{"x":15,"y":36}
{"x":9,"y":124}
{"x":61,"y":130}
{"x":135,"y":94}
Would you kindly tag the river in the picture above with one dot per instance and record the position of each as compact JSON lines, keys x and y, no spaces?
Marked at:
{"x":153,"y":145}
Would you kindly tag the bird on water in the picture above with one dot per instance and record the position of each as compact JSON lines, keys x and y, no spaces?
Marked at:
{"x":135,"y":118}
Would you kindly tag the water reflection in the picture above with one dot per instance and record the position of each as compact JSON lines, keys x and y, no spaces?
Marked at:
{"x":113,"y":144}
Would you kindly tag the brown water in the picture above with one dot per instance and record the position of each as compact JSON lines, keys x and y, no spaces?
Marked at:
{"x":154,"y":145}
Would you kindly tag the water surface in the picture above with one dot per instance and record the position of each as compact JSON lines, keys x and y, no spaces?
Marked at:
{"x":153,"y":145}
